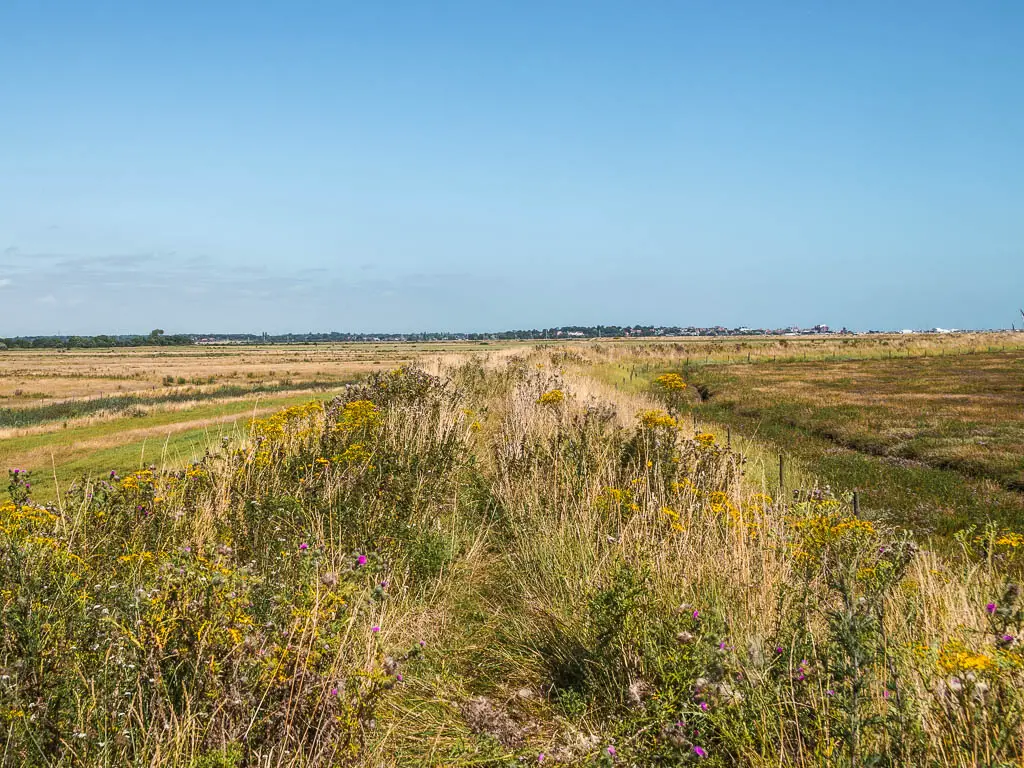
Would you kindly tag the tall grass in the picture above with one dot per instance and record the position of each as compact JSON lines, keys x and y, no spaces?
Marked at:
{"x":500,"y":563}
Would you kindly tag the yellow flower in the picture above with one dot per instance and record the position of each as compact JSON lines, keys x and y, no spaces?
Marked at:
{"x":954,"y":656}
{"x":618,"y":498}
{"x":357,"y":453}
{"x":670,"y":382}
{"x":1010,"y":539}
{"x":552,"y":397}
{"x":656,"y":419}
{"x":136,"y":557}
{"x":359,"y":414}
{"x":829,"y":531}
{"x":274,"y":432}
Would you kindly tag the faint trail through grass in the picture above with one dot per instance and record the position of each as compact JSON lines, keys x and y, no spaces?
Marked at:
{"x":98,"y":448}
{"x":119,"y":404}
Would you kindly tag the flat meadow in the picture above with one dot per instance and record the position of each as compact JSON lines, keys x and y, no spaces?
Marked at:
{"x":499,"y":555}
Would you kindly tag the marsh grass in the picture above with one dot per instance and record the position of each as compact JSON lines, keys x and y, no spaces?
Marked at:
{"x":454,"y":569}
{"x":932,"y":441}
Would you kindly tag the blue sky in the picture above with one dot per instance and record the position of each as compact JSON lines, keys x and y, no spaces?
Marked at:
{"x":295,"y":166}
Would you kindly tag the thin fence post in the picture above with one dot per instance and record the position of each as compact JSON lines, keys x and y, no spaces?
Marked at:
{"x":782,"y":480}
{"x":856,"y":504}
{"x":728,"y":437}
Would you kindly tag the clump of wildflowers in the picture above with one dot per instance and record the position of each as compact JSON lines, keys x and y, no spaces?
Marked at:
{"x":657,"y":420}
{"x":552,"y":397}
{"x":670,"y":382}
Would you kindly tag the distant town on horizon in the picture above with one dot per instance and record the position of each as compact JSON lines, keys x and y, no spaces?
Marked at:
{"x":580,"y":332}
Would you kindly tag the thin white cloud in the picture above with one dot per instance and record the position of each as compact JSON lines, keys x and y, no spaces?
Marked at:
{"x":4,"y":282}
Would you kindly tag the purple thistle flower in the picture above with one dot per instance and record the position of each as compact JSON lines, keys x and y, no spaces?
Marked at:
{"x":375,"y":629}
{"x":611,"y":751}
{"x":990,"y":608}
{"x":704,"y":706}
{"x":334,"y":691}
{"x":699,"y":752}
{"x":399,"y":677}
{"x":778,"y":649}
{"x":540,"y":758}
{"x":696,"y":614}
{"x":361,"y":560}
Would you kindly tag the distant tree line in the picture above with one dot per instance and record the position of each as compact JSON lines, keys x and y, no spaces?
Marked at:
{"x":155,"y":338}
{"x":563,"y":332}
{"x":159,"y":338}
{"x":573,"y":331}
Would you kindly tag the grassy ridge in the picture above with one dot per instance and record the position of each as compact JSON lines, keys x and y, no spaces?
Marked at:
{"x":506,"y":561}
